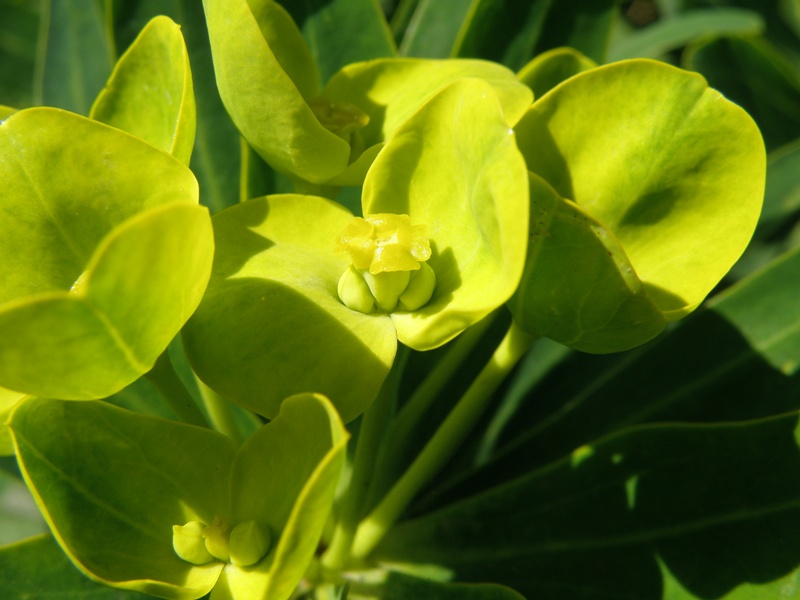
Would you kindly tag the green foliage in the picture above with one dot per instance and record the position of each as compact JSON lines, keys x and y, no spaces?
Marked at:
{"x":405,"y":194}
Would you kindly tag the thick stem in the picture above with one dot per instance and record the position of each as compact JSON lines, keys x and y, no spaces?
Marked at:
{"x":370,"y":437}
{"x":444,"y":443}
{"x":401,"y":435}
{"x":164,"y":377}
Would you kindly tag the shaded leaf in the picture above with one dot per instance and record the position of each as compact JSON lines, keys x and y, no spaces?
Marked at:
{"x":273,"y":295}
{"x":752,"y":73}
{"x":433,"y":28}
{"x":399,"y":586}
{"x":38,"y":568}
{"x":550,"y":68}
{"x":75,"y":55}
{"x":597,"y":523}
{"x":340,"y":32}
{"x":18,"y":31}
{"x":514,"y":31}
{"x":678,"y":30}
{"x":735,"y":361}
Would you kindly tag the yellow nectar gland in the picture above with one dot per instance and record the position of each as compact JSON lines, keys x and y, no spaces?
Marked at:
{"x":388,"y":269}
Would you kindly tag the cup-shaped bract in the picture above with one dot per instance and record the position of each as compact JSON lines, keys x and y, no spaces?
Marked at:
{"x":186,"y":476}
{"x":548,"y":69}
{"x":106,"y":253}
{"x":270,"y":87}
{"x":150,"y":93}
{"x":452,"y":167}
{"x":646,"y":188}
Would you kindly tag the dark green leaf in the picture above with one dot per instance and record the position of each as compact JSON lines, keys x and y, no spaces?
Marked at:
{"x":340,"y":32}
{"x":677,"y":31}
{"x":75,"y":55}
{"x":17,"y":51}
{"x":751,"y":72}
{"x":19,"y":517}
{"x":399,"y":586}
{"x":514,"y":31}
{"x":505,"y":32}
{"x":782,"y":194}
{"x":735,"y":361}
{"x":434,"y":28}
{"x":598,"y":523}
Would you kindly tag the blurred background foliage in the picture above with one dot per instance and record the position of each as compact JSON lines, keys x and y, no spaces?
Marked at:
{"x":669,"y":471}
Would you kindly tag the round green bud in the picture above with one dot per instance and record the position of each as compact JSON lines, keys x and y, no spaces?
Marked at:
{"x":419,"y":290}
{"x":354,"y":291}
{"x":216,"y":536}
{"x":249,"y":543}
{"x":386,"y":287}
{"x":189,"y":543}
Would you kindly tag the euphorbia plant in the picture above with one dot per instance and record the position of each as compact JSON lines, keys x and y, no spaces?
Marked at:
{"x":595,"y":214}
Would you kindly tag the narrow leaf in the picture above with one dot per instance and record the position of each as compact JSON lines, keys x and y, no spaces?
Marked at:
{"x":752,"y":72}
{"x":340,"y":32}
{"x":75,"y":55}
{"x":433,"y":28}
{"x":678,"y":30}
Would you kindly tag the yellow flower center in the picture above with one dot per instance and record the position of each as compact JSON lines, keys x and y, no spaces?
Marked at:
{"x":388,"y":264}
{"x":198,"y":543}
{"x":385,"y":243}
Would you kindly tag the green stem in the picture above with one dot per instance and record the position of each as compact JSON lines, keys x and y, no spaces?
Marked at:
{"x":370,"y":437}
{"x":220,"y":412}
{"x":444,"y":443}
{"x":407,"y":421}
{"x":164,"y":377}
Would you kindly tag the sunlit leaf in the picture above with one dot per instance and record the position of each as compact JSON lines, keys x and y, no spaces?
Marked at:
{"x":150,"y":91}
{"x":672,"y":177}
{"x":116,"y":255}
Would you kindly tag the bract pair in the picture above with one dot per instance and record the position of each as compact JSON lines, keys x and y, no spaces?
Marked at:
{"x":646,"y":186}
{"x":105,"y":249}
{"x":272,"y":322}
{"x":270,"y":86}
{"x":128,"y":532}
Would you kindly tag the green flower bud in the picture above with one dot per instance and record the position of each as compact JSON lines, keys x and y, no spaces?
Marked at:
{"x":387,"y":287}
{"x":354,"y":291}
{"x":249,"y":543}
{"x":419,"y":290}
{"x":216,"y":536}
{"x":189,"y":544}
{"x":387,"y":253}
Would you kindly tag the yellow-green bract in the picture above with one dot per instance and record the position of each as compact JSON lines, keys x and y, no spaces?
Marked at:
{"x":272,"y":323}
{"x":269,"y":84}
{"x":105,"y":249}
{"x":180,"y":473}
{"x":646,"y":186}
